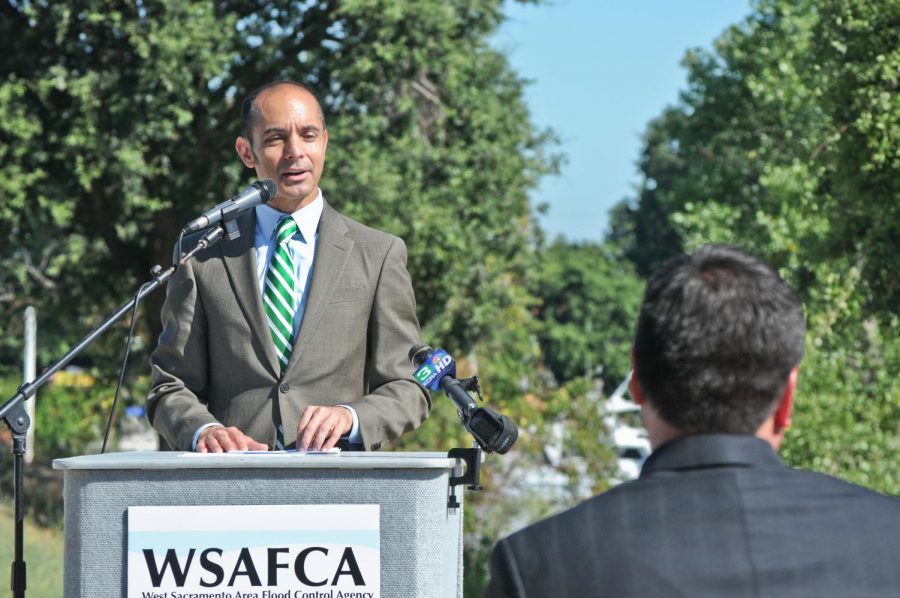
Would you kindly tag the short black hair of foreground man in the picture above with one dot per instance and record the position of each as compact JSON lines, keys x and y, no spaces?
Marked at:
{"x":714,"y":512}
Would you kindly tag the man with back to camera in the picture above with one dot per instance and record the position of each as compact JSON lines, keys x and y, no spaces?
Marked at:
{"x":714,"y":512}
{"x":300,"y":327}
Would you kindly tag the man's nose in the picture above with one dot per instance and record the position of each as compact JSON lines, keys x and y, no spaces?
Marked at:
{"x":293,"y":148}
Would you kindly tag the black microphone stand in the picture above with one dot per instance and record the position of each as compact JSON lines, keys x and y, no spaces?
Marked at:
{"x":13,"y":410}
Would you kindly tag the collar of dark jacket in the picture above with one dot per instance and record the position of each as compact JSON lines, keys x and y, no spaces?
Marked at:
{"x":711,"y":450}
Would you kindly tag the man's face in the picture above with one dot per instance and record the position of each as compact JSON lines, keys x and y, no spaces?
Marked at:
{"x":288,"y":145}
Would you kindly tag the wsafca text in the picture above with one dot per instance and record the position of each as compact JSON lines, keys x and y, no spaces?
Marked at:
{"x":244,"y":569}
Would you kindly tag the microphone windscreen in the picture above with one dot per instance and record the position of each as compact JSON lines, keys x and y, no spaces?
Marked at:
{"x":415,"y":350}
{"x":268,"y":188}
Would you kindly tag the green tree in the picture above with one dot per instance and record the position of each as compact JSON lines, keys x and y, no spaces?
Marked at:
{"x":785,"y":143}
{"x":114,"y":117}
{"x":589,"y":300}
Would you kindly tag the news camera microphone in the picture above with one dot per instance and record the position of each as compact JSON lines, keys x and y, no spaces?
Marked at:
{"x":436,"y":370}
{"x":258,"y":193}
{"x":444,"y":368}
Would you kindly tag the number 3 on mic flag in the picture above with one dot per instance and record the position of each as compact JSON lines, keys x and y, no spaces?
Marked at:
{"x":438,"y":365}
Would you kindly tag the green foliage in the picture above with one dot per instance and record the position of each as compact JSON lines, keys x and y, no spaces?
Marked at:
{"x":589,"y":303}
{"x":104,"y":95}
{"x":68,"y":417}
{"x":67,"y":420}
{"x":844,"y":426}
{"x":785,"y":144}
{"x":856,"y":43}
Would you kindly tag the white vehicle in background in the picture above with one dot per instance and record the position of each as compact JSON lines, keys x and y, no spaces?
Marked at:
{"x":623,"y":420}
{"x":633,"y":449}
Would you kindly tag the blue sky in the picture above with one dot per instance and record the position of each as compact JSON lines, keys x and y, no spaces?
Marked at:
{"x":600,"y":71}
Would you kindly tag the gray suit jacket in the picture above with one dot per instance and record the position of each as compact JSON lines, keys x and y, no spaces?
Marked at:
{"x":711,"y":515}
{"x":215,"y":361}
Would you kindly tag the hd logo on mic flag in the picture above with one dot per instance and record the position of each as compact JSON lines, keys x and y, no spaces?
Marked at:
{"x":261,"y":551}
{"x":435,"y":367}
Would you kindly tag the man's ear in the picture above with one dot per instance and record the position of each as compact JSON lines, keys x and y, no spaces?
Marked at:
{"x":786,"y":404}
{"x":637,"y":393}
{"x":242,"y":146}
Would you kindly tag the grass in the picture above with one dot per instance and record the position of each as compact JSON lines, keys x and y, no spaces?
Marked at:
{"x":43,"y":555}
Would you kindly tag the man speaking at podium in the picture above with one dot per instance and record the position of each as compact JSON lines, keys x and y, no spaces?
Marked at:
{"x":299,"y":328}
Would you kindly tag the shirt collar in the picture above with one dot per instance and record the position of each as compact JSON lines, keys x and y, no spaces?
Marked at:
{"x":307,"y":218}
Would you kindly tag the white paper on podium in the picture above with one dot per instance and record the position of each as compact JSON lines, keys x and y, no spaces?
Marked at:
{"x":331,"y":451}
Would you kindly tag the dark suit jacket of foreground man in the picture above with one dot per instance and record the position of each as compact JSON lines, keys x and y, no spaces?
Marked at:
{"x":711,"y":515}
{"x":216,"y":361}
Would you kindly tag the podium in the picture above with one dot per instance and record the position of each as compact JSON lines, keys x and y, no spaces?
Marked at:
{"x":420,"y":516}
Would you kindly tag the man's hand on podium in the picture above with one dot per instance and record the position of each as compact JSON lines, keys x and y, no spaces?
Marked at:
{"x":321,"y":427}
{"x":219,"y":439}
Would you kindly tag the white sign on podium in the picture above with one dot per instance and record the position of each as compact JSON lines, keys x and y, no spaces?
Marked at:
{"x":262,"y":551}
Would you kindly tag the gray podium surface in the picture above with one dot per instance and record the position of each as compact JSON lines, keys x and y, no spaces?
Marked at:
{"x":421,"y":539}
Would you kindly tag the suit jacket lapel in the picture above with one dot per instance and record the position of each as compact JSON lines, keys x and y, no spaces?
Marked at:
{"x":240,"y":262}
{"x":332,"y":251}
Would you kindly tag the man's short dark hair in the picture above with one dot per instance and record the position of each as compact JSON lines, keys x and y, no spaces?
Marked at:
{"x":718,"y":334}
{"x":250,"y":113}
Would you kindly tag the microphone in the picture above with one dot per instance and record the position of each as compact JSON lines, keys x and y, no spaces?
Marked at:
{"x":436,"y":370}
{"x":258,"y":193}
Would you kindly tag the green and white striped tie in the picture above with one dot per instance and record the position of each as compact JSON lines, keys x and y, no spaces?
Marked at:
{"x":278,"y":299}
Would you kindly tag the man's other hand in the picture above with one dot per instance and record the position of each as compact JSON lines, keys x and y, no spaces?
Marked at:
{"x":219,"y":439}
{"x":321,"y":427}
